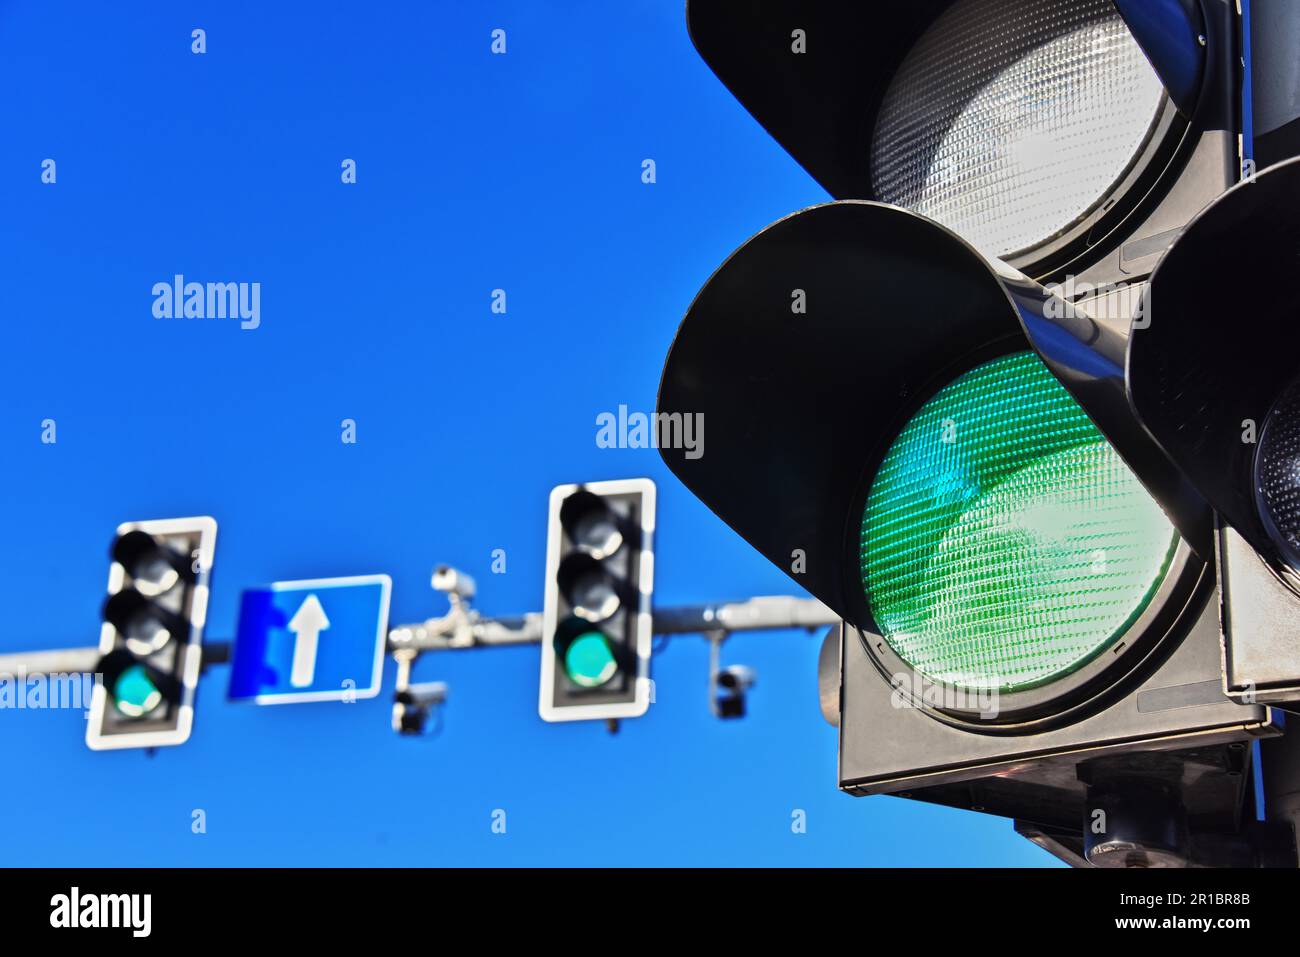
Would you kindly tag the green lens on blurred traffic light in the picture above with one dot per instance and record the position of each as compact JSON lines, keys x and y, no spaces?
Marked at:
{"x":135,"y":693}
{"x":589,"y":659}
{"x":1004,"y":543}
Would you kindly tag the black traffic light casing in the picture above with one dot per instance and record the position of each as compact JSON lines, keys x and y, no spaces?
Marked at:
{"x":804,"y":403}
{"x":1274,"y":32}
{"x":1171,"y":701}
{"x":1206,"y":375}
{"x":152,"y":631}
{"x":599,"y":582}
{"x":807,"y":405}
{"x":821,"y":105}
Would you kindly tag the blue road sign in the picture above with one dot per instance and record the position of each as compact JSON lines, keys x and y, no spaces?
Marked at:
{"x":320,"y":640}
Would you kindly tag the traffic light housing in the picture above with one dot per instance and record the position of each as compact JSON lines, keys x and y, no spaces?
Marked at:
{"x":596,"y":615}
{"x":1215,"y":380}
{"x":151,"y":635}
{"x":931,"y":422}
{"x":899,"y":311}
{"x":923,"y":103}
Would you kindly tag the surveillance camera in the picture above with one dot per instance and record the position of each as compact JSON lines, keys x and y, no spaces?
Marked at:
{"x":730,"y":706}
{"x":425,"y":694}
{"x":410,"y":720}
{"x":413,"y":706}
{"x":737,"y":678}
{"x":733,"y":683}
{"x":453,"y":582}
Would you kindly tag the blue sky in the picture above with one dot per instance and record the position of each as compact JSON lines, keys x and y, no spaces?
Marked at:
{"x":474,"y":172}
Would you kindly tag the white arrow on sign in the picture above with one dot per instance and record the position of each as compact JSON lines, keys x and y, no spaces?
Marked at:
{"x":306,"y":624}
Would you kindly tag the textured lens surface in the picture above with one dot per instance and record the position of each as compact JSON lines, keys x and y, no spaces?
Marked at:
{"x":1010,"y":120}
{"x":1004,"y":541}
{"x":1277,"y":474}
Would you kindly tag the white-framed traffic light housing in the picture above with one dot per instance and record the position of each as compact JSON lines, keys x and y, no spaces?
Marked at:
{"x":944,"y":428}
{"x":150,"y":640}
{"x":596,"y":614}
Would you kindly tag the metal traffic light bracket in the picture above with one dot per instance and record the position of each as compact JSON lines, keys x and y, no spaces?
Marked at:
{"x":414,"y":704}
{"x":460,"y":628}
{"x":158,"y":584}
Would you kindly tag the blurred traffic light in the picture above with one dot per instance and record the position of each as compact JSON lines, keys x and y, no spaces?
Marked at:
{"x":921,"y":411}
{"x":596,"y":625}
{"x":150,"y":640}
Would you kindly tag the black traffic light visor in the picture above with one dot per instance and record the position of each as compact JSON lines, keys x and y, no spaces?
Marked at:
{"x":814,"y":343}
{"x":1223,"y":340}
{"x":798,"y":403}
{"x":821,"y":104}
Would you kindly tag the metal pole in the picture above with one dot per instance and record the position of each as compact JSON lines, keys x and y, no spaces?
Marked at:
{"x":61,"y":662}
{"x":765,"y":613}
{"x":463,"y":629}
{"x":84,"y":661}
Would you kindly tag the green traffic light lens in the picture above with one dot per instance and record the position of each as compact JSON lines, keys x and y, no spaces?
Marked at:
{"x":589,"y":659}
{"x":1005,"y":543}
{"x":135,"y":693}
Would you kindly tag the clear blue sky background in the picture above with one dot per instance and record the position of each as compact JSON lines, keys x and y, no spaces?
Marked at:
{"x":475,"y":171}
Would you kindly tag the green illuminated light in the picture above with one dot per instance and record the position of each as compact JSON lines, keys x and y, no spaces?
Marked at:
{"x":134,"y":692}
{"x":1004,"y":543}
{"x":589,"y":659}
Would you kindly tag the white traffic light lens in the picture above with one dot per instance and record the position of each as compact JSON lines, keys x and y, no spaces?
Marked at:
{"x":145,"y":633}
{"x":149,"y":562}
{"x":1277,"y":474}
{"x":1005,"y":543}
{"x":134,"y":692}
{"x":593,"y":596}
{"x":153,"y":575}
{"x":596,"y":533}
{"x":1011,"y":120}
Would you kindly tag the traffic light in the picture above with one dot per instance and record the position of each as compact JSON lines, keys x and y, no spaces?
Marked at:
{"x":150,"y":639}
{"x":1216,"y":380}
{"x":1061,"y":136}
{"x":596,"y":624}
{"x":921,"y":412}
